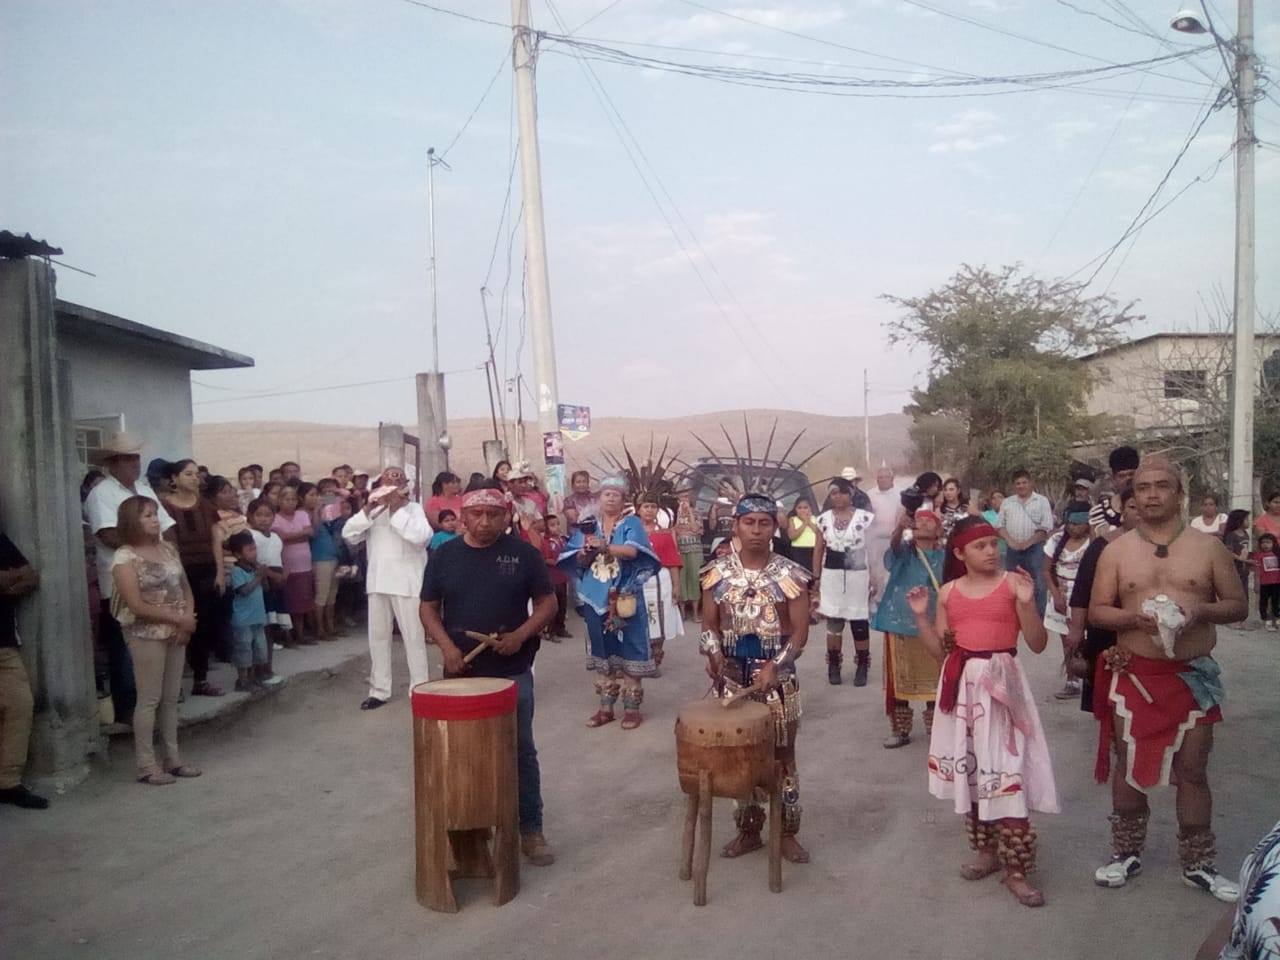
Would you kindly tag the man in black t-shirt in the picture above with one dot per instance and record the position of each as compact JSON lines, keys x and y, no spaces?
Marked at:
{"x":484,"y":582}
{"x":17,"y":579}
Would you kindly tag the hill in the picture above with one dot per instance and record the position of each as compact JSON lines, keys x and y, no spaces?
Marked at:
{"x":224,"y":447}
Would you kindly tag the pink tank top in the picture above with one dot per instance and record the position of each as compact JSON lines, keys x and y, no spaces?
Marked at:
{"x":987,"y":623}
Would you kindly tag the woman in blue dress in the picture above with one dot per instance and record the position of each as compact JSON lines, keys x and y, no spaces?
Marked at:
{"x":608,"y":559}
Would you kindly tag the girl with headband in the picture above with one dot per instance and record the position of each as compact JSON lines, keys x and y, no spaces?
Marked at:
{"x":987,"y":753}
{"x":1063,"y":553}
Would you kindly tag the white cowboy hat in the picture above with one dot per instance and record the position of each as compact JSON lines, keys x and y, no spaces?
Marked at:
{"x":122,"y":444}
{"x":851,"y":474}
{"x":521,"y":471}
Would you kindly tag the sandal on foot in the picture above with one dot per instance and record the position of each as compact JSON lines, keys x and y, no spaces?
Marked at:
{"x":207,"y":689}
{"x":1028,"y":897}
{"x":157,"y":778}
{"x":185,"y":770}
{"x":631,"y":719}
{"x":600,"y":718}
{"x":792,"y":852}
{"x":742,"y":844}
{"x":977,"y":870}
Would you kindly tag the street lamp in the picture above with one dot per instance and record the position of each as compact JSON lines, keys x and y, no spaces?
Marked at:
{"x":1244,"y":379}
{"x":1186,"y":21}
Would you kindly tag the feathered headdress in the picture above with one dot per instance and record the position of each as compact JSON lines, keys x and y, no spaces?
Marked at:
{"x":658,"y":477}
{"x":766,"y":475}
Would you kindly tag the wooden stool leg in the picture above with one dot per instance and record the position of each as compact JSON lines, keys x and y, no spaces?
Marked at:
{"x":434,"y":888}
{"x":506,"y":833}
{"x":775,"y":835}
{"x":702,"y":862}
{"x":690,"y":830}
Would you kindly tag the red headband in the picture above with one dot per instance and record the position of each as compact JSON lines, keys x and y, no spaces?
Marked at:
{"x":484,"y":497}
{"x":979,"y":531}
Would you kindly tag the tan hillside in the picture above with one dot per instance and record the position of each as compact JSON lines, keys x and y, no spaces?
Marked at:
{"x":224,"y":447}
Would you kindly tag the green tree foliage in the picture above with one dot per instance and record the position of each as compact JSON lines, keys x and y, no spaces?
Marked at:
{"x":1002,"y":349}
{"x":938,"y":441}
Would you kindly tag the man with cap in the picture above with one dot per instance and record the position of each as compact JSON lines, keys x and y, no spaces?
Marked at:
{"x":755,"y":618}
{"x":121,"y":457}
{"x":396,"y":532}
{"x":1106,"y":517}
{"x":1163,"y":588}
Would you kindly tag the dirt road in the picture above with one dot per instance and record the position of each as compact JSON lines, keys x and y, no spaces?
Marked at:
{"x":297,"y":842}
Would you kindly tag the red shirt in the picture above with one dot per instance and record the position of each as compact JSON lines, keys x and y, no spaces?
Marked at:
{"x":1268,"y":567}
{"x":664,"y":545}
{"x":552,"y":547}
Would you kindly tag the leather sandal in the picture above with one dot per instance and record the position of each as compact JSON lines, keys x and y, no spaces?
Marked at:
{"x":157,"y":778}
{"x":600,"y":718}
{"x":185,"y":771}
{"x":631,"y":719}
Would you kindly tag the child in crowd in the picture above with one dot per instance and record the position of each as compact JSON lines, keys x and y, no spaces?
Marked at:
{"x":552,"y":546}
{"x":247,"y":491}
{"x":321,"y":503}
{"x":987,"y":753}
{"x":270,"y":550}
{"x":293,"y":523}
{"x":1266,"y":562}
{"x":271,"y":493}
{"x":446,"y":529}
{"x":248,"y":614}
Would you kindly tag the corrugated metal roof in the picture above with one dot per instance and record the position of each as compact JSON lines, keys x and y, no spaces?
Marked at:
{"x":14,"y":247}
{"x":1180,"y":335}
{"x":93,"y":324}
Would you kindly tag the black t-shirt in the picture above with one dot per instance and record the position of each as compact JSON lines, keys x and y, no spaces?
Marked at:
{"x":11,"y":558}
{"x":1095,"y":639}
{"x":487,"y":590}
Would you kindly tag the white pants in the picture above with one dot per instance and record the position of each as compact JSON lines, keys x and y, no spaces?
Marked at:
{"x":382,"y":607}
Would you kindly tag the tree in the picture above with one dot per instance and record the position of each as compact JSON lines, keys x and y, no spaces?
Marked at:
{"x":1002,"y":355}
{"x":938,"y":441}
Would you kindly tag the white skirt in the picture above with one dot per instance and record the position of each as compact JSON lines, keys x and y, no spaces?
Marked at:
{"x":671,"y":619}
{"x":978,"y":754}
{"x":845,"y":594}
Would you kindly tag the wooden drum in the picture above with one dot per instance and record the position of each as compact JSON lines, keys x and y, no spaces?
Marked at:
{"x":465,"y":787}
{"x":733,"y":744}
{"x":725,"y":752}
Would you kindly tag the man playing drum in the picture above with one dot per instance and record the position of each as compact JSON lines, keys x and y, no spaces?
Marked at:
{"x":755,"y":615}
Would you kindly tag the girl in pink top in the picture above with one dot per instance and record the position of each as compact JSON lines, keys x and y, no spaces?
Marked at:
{"x":987,"y":753}
{"x":294,"y":527}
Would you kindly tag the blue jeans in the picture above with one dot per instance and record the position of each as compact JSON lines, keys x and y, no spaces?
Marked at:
{"x":529,"y":774}
{"x":1031,"y":560}
{"x":249,"y":644}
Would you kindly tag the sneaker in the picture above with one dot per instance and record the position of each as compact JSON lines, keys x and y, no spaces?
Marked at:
{"x":1070,"y":691}
{"x":896,"y":740}
{"x":1213,"y":883}
{"x":1118,"y":872}
{"x":1271,"y":625}
{"x":20,"y":796}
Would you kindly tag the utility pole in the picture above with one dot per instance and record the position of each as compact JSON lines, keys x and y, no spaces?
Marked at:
{"x":491,"y":370}
{"x":866,"y":421}
{"x":433,"y":429}
{"x":1245,"y":378}
{"x":546,"y":391}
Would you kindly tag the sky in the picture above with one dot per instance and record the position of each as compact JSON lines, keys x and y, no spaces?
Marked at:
{"x":253,"y":173}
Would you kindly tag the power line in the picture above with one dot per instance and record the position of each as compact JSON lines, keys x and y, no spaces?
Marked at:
{"x":458,"y":14}
{"x":611,"y":111}
{"x":594,"y":17}
{"x":506,"y":56}
{"x":332,"y":386}
{"x":1091,"y":13}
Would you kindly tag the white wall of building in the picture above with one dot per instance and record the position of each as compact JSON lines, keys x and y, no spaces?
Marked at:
{"x":149,"y":389}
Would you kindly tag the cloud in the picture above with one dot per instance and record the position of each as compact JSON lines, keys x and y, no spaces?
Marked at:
{"x":1064,"y":131}
{"x":968,"y":131}
{"x":713,"y":26}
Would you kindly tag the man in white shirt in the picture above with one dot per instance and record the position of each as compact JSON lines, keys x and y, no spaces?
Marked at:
{"x":396,"y":532}
{"x":886,"y":504}
{"x":121,"y":456}
{"x":1025,"y":522}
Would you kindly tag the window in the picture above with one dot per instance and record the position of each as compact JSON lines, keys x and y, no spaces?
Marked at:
{"x":1184,"y":384}
{"x":89,"y":436}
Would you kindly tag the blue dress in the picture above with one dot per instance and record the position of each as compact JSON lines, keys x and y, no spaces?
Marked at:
{"x":616,"y":644}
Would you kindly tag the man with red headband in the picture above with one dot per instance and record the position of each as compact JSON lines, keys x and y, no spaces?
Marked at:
{"x":1162,"y":588}
{"x":755,"y":618}
{"x":396,"y":532}
{"x":491,"y":582}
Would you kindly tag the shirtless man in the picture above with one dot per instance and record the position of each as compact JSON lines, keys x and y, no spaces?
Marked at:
{"x":1162,"y":707}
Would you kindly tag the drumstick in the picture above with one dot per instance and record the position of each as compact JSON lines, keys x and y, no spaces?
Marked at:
{"x":485,"y":640}
{"x":739,"y":694}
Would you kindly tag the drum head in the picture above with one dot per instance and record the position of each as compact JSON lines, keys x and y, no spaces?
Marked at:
{"x":463,"y":686}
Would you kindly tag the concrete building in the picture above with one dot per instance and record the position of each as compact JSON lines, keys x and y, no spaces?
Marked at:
{"x":69,"y":374}
{"x":1167,"y":383}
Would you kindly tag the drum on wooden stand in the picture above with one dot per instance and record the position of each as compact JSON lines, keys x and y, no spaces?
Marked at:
{"x":725,"y":752}
{"x":465,"y":787}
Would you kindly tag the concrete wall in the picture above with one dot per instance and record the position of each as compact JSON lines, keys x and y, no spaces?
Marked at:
{"x":151,"y":388}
